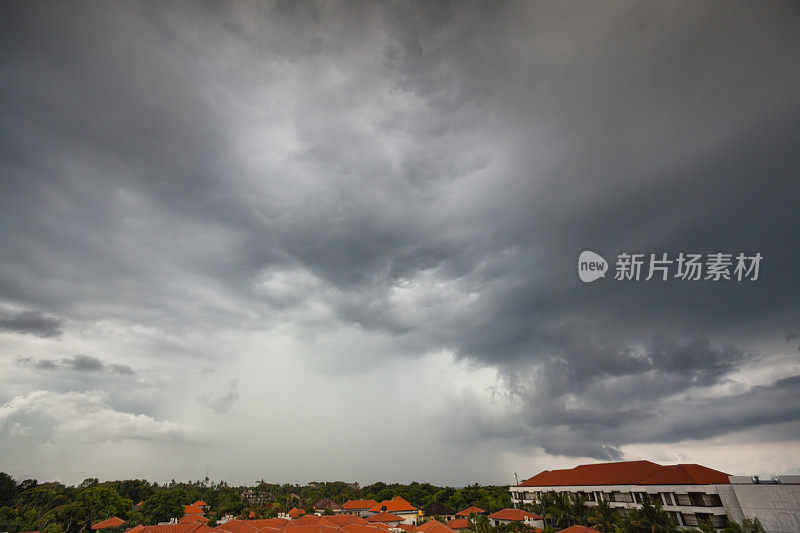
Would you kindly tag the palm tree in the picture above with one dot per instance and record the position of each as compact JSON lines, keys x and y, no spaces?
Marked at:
{"x":561,"y":510}
{"x":604,"y":516}
{"x":748,"y":525}
{"x":650,"y":518}
{"x":579,"y":513}
{"x":542,"y":507}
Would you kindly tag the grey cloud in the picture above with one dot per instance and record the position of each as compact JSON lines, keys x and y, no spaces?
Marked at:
{"x":33,"y":323}
{"x":586,"y":403}
{"x":431,"y":181}
{"x":222,"y":401}
{"x":76,"y":363}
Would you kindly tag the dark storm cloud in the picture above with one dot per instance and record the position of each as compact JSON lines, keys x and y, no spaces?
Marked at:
{"x":33,"y":323}
{"x":589,"y":398}
{"x":76,"y":363}
{"x":435,"y":178}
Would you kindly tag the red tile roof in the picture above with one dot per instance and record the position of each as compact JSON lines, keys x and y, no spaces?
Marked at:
{"x":469,"y":510}
{"x":192,"y":518}
{"x":517,"y":515}
{"x":270,"y":529}
{"x":342,"y":520}
{"x":110,"y":522}
{"x":200,"y":503}
{"x":578,"y":529}
{"x":371,"y":528}
{"x":312,"y":520}
{"x":628,"y":473}
{"x":268,"y":522}
{"x":395,"y":505}
{"x":296,"y":513}
{"x":312,"y":528}
{"x":458,"y":523}
{"x":434,"y":526}
{"x":385,"y":517}
{"x":406,"y":527}
{"x":172,"y":528}
{"x":237,"y":526}
{"x":192,"y":509}
{"x":359,"y":504}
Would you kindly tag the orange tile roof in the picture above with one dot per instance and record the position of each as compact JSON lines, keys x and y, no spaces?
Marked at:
{"x":110,"y":522}
{"x":270,"y":529}
{"x":173,"y":528}
{"x":406,"y":527}
{"x":342,"y":520}
{"x":434,"y":526}
{"x":192,"y":509}
{"x":192,"y":518}
{"x":469,"y":510}
{"x":359,"y":504}
{"x":517,"y":515}
{"x":296,"y":513}
{"x":628,"y":473}
{"x":377,"y":527}
{"x":268,"y":522}
{"x":458,"y":523}
{"x":237,"y":526}
{"x":135,"y":529}
{"x":395,"y":505}
{"x":200,"y":503}
{"x":312,"y":520}
{"x":385,"y":517}
{"x":312,"y":528}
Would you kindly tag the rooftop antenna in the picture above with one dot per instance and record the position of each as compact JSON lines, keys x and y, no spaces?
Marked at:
{"x":516,"y":478}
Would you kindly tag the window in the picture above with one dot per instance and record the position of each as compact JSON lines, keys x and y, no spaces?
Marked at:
{"x":624,"y":497}
{"x":666,"y":498}
{"x":673,"y":516}
{"x":712,"y":500}
{"x":683,"y":499}
{"x":719,"y":521}
{"x":689,"y":519}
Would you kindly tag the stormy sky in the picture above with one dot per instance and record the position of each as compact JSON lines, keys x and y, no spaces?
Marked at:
{"x":338,"y":240}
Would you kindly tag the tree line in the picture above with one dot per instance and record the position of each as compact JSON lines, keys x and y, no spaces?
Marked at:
{"x":53,"y":507}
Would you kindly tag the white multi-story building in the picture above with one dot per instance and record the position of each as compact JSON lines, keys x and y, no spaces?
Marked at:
{"x":689,"y":493}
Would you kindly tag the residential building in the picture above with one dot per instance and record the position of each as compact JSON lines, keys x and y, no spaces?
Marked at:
{"x":466,"y":513}
{"x":458,"y":524}
{"x":359,"y":507}
{"x":439,"y":509}
{"x":689,"y":493}
{"x":390,"y":519}
{"x":434,"y":526}
{"x":327,"y":504}
{"x":508,"y":516}
{"x":110,"y":522}
{"x":400,"y":507}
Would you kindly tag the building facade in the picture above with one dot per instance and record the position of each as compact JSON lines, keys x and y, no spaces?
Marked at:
{"x":689,"y":493}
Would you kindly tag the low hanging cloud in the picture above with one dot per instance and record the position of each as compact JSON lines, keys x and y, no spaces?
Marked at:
{"x":221,"y":401}
{"x":76,"y":363}
{"x":84,"y":417}
{"x":589,"y":398}
{"x":32,"y":323}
